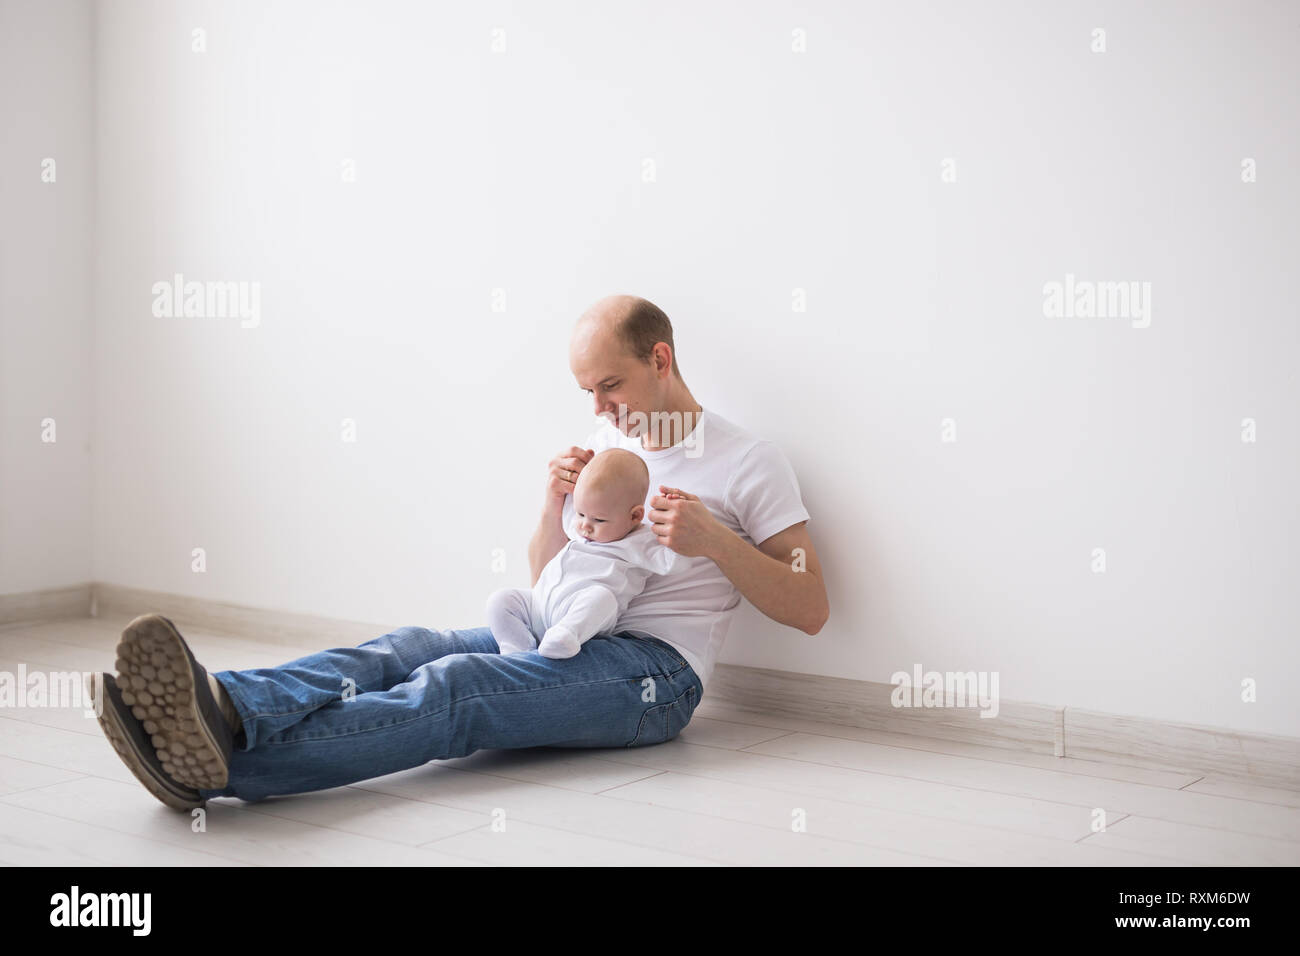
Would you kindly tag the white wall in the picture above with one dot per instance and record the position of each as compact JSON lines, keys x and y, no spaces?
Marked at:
{"x":46,"y":233}
{"x":522,"y":170}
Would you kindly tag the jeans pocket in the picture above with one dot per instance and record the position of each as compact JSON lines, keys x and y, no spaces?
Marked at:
{"x":663,"y":722}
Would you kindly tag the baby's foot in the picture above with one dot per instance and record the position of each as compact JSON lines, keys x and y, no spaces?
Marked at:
{"x":514,"y":640}
{"x":558,"y":643}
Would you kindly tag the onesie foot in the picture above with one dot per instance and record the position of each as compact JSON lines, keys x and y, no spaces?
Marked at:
{"x":559,"y":643}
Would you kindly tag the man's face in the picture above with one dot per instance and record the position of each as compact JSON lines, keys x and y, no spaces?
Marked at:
{"x":618,"y":384}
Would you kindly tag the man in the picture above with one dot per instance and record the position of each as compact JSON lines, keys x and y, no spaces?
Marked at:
{"x":718,"y":496}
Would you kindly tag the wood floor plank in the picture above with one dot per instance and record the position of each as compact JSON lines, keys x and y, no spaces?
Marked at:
{"x":1224,"y":786}
{"x":51,"y":655}
{"x":714,"y":712}
{"x":1202,"y":846}
{"x":527,"y":844}
{"x":72,"y":718}
{"x":102,"y":634}
{"x":213,"y":654}
{"x":659,"y":828}
{"x":32,"y":838}
{"x":283,"y":651}
{"x":904,"y":832}
{"x":728,"y":734}
{"x":55,"y":747}
{"x":987,"y":808}
{"x":78,"y":628}
{"x":371,"y":814}
{"x":1115,"y":796}
{"x":567,"y":770}
{"x":18,"y":775}
{"x":255,"y":838}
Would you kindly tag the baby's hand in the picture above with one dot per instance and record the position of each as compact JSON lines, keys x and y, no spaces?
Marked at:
{"x":559,"y":643}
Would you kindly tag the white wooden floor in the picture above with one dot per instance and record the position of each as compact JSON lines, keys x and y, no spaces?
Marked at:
{"x":728,"y":790}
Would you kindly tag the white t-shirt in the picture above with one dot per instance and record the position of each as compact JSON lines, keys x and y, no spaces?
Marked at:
{"x":748,"y":485}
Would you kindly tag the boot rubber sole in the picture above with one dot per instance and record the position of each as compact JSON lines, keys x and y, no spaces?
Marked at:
{"x":167,"y":691}
{"x":134,"y":748}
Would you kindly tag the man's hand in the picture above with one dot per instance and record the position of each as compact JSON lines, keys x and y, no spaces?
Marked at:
{"x":550,"y":537}
{"x":683,"y":523}
{"x":562,"y":472}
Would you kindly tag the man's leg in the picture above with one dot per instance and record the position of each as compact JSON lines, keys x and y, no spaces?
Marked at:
{"x":270,"y":700}
{"x":592,"y":610}
{"x":176,"y":726}
{"x":622,"y":691}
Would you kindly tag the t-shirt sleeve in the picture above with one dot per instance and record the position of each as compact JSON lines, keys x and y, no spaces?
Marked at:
{"x":764,"y":493}
{"x":648,"y":555}
{"x":661,"y":559}
{"x":597,"y":441}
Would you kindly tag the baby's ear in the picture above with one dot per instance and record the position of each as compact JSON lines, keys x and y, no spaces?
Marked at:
{"x":638,"y":513}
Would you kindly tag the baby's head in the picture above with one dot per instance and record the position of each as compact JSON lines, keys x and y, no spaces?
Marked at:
{"x":609,"y":495}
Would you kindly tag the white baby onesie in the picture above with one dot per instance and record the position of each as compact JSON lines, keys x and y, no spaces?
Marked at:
{"x":580,"y":593}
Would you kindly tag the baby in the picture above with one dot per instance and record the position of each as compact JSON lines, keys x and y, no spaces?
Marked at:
{"x":585,"y":588}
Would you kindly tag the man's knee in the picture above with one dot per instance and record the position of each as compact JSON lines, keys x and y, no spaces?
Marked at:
{"x":407,"y":633}
{"x":408,"y":644}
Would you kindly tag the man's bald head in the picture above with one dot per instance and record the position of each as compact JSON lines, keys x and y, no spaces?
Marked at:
{"x":629,"y":323}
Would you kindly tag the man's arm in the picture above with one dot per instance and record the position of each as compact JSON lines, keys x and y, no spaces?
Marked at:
{"x":783,"y":583}
{"x":767,"y":575}
{"x":561,"y":478}
{"x":549,"y":537}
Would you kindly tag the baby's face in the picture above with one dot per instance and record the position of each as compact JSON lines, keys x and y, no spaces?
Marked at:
{"x":602,"y":515}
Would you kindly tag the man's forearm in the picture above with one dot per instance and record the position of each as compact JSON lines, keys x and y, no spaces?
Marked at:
{"x":795,"y":598}
{"x":549,"y":537}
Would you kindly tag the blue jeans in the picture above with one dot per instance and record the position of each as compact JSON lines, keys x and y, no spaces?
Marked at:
{"x":418,"y":694}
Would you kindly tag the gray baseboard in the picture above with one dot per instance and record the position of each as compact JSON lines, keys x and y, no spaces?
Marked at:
{"x":50,"y":604}
{"x":1262,"y":759}
{"x":867,"y":704}
{"x":237,"y":620}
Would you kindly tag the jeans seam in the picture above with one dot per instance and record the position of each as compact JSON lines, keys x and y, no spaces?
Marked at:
{"x":680,"y":698}
{"x":446,"y":706}
{"x":348,"y":733}
{"x":667,"y":648}
{"x":237,"y":698}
